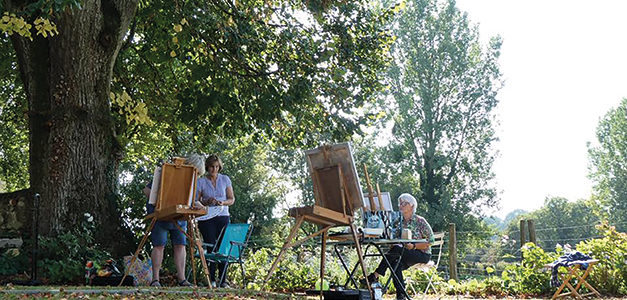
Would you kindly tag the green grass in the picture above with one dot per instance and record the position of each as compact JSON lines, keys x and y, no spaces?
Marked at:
{"x":86,"y":292}
{"x":128,"y":293}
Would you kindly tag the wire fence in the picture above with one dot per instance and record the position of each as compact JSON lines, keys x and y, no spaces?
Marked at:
{"x":479,"y":254}
{"x":492,"y":253}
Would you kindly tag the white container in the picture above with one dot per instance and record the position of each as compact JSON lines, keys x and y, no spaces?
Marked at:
{"x":377,"y":291}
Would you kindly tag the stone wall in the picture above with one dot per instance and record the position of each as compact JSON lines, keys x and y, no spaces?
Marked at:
{"x":16,"y":214}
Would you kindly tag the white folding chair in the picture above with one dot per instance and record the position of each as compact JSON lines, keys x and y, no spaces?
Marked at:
{"x":436,"y":254}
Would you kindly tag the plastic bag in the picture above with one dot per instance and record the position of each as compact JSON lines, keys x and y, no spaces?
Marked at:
{"x":141,"y":270}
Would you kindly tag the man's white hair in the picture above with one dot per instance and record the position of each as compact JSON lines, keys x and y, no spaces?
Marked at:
{"x":196,"y":161}
{"x":409,"y":199}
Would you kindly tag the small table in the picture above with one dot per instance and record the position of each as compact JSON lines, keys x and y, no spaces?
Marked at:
{"x":377,"y":243}
{"x":573,"y":273}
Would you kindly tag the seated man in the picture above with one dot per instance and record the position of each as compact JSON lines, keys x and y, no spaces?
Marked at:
{"x":414,"y":252}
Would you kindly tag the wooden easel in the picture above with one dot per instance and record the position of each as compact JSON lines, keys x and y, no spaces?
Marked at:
{"x":177,"y":187}
{"x":335,"y":201}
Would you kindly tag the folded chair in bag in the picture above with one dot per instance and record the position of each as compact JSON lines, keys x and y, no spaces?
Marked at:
{"x":141,"y":270}
{"x":233,"y":241}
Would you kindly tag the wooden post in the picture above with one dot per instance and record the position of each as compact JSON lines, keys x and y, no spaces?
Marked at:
{"x":370,"y":191}
{"x":452,"y":250}
{"x":523,"y":232}
{"x":532,"y":231}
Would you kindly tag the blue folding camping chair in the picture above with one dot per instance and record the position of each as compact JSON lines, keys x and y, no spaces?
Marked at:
{"x":233,"y":240}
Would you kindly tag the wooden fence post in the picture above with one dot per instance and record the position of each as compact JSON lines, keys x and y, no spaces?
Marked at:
{"x":523,"y":232}
{"x":452,"y":251}
{"x":532,"y":231}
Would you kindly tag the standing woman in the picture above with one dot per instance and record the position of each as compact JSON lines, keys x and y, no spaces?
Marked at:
{"x":216,"y":192}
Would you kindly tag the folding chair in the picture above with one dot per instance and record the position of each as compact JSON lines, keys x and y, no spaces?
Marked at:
{"x":436,"y":254}
{"x":573,"y":273}
{"x":233,"y":240}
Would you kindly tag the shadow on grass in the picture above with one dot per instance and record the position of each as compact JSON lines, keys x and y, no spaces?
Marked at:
{"x":83,"y":292}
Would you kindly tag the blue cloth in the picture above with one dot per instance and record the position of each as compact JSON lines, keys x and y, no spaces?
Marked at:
{"x":206,"y":189}
{"x":567,"y":260}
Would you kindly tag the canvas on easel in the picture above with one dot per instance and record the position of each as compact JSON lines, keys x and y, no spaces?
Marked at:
{"x":337,"y":195}
{"x":174,"y":187}
{"x":386,"y":201}
{"x":332,"y":156}
{"x":379,"y":219}
{"x":176,"y":190}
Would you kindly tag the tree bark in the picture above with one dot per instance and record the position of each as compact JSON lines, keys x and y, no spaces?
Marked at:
{"x":73,"y":148}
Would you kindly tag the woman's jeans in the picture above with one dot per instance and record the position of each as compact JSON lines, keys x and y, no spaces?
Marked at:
{"x":210,"y":230}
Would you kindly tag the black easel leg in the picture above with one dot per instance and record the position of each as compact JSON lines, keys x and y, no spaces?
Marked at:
{"x":33,"y":274}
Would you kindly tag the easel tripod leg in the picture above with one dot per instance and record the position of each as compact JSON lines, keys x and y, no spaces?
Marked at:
{"x":204,"y":263}
{"x":141,"y":245}
{"x":190,"y":227}
{"x":286,"y":245}
{"x":201,"y":252}
{"x":322,"y":260}
{"x":199,"y":246}
{"x":360,"y":256}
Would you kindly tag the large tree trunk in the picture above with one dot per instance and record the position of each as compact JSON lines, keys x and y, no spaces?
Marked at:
{"x":73,"y":149}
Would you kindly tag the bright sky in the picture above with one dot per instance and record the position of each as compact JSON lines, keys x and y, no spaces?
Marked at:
{"x":564,"y":65}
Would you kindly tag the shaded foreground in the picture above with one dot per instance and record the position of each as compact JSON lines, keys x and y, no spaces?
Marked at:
{"x":82,"y":292}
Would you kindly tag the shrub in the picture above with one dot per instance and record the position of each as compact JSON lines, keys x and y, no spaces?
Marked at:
{"x":494,"y":285}
{"x":288,"y":276}
{"x":491,"y":286}
{"x":13,"y":261}
{"x":62,"y":258}
{"x":611,"y":251}
{"x":529,"y":276}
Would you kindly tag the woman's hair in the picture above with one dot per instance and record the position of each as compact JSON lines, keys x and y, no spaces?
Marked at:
{"x":409,"y":199}
{"x":211,"y":159}
{"x":196,"y":161}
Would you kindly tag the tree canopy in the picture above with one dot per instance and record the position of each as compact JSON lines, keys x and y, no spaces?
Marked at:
{"x":286,"y":73}
{"x":13,"y":124}
{"x":113,"y":87}
{"x":608,"y":167}
{"x":443,"y":85}
{"x":242,"y":78}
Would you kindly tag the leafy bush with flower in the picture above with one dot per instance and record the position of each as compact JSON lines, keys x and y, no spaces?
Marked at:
{"x":61,"y":259}
{"x":611,"y":251}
